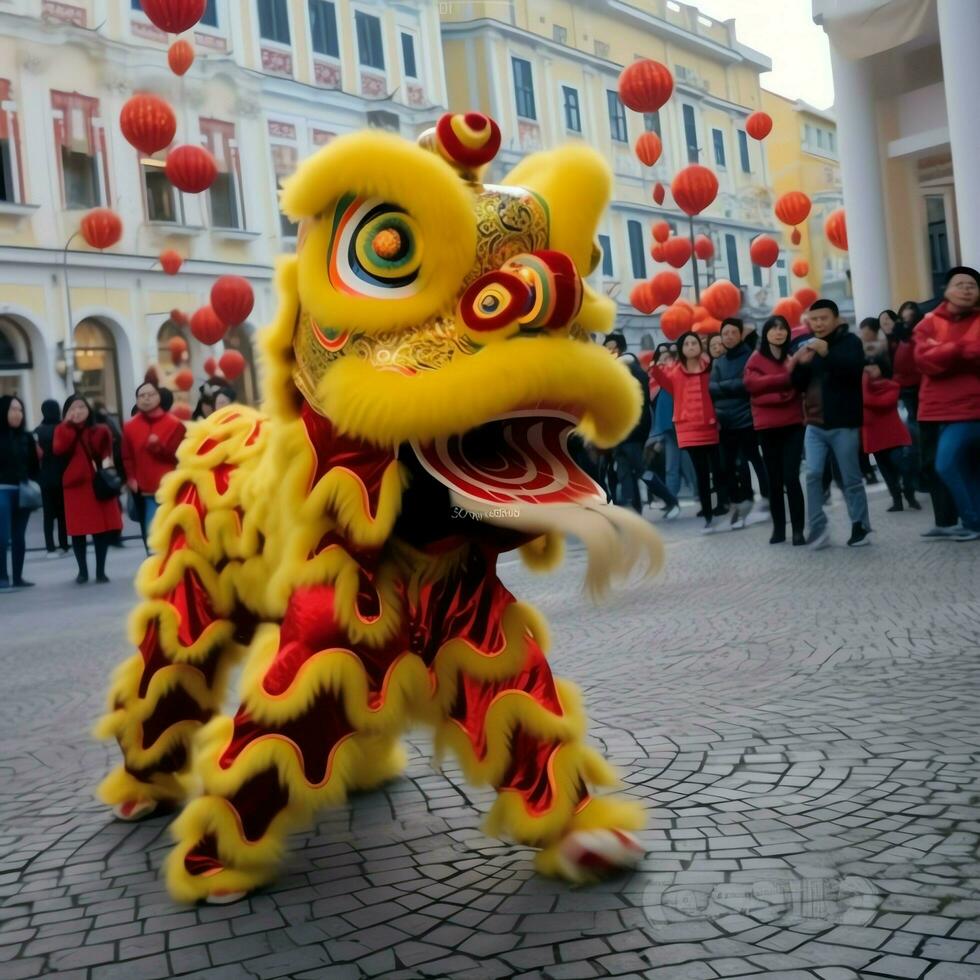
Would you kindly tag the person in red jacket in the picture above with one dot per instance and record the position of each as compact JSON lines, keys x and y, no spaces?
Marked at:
{"x":150,"y":441}
{"x":897,"y":328}
{"x":694,"y":415}
{"x":883,"y":434}
{"x":87,"y":447}
{"x":777,"y":415}
{"x":947,"y":352}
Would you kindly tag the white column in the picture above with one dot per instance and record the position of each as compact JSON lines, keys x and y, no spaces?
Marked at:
{"x":857,"y":134}
{"x":959,"y":38}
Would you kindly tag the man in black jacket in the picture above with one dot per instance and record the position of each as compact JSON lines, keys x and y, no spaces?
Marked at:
{"x":829,"y":370}
{"x":739,"y":446}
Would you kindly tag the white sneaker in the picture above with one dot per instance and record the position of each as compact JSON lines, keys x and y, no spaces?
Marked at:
{"x":673,"y":513}
{"x":819,"y":541}
{"x":757,"y":517}
{"x":738,"y":523}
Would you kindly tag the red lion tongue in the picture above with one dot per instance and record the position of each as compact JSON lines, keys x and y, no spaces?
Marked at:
{"x":520,"y":458}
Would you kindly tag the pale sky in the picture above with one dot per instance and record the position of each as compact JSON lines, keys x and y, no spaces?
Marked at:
{"x":783,"y":30}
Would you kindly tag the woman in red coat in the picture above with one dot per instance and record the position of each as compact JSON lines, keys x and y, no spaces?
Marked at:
{"x":777,"y":416}
{"x":883,"y":432}
{"x":86,"y":447}
{"x":694,"y":415}
{"x":150,"y":441}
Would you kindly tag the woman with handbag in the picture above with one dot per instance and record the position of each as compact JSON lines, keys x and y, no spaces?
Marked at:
{"x":91,"y":484}
{"x":19,"y":494}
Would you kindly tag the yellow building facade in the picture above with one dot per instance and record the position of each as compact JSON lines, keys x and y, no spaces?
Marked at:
{"x":802,"y":155}
{"x":272,"y":80}
{"x":547,"y":70}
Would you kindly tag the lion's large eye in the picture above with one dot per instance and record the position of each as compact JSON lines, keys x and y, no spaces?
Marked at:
{"x":375,"y":249}
{"x":554,"y":284}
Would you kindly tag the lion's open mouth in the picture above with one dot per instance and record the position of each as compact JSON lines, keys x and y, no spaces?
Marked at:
{"x":521,"y":457}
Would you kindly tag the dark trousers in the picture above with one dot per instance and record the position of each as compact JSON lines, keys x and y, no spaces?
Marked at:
{"x":53,"y":502}
{"x":782,"y":450}
{"x":909,"y":398}
{"x":943,"y":505}
{"x":894,"y":466}
{"x":707,"y":464}
{"x":13,"y":532}
{"x":101,"y":543}
{"x":739,"y":448}
{"x":628,"y":457}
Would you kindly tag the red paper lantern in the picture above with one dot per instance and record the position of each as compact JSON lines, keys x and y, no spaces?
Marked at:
{"x":645,"y":85}
{"x":180,"y":56}
{"x":232,"y":364}
{"x":661,"y":231}
{"x":792,"y":208}
{"x":675,"y":320}
{"x":101,"y":228}
{"x":211,"y":367}
{"x":657,"y":252}
{"x":232,"y":299}
{"x":764,"y":251}
{"x":179,"y":317}
{"x":641,"y":298}
{"x":704,"y":247}
{"x":190,"y":168}
{"x":806,"y":296}
{"x":707,"y":327}
{"x":658,"y":192}
{"x":700,"y":313}
{"x":648,"y":149}
{"x":694,"y":188}
{"x":759,"y":125}
{"x":722,"y":299}
{"x":677,"y":251}
{"x":184,"y":380}
{"x":801,"y":268}
{"x":174,"y":16}
{"x":178,"y":348}
{"x":790,"y":309}
{"x":207,"y":326}
{"x":182,"y":411}
{"x":666,"y":287}
{"x":148,"y":123}
{"x":796,"y":237}
{"x":170,"y":261}
{"x":835,"y":228}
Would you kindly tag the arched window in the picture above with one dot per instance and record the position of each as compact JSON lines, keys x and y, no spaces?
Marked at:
{"x":15,"y":357}
{"x":96,"y":366}
{"x":246,"y":384}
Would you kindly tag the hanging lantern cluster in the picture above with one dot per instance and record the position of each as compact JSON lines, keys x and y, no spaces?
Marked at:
{"x":722,"y":299}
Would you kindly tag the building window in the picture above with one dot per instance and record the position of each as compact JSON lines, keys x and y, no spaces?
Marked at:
{"x":370,"y":49}
{"x":651,"y":122}
{"x":225,"y":194}
{"x":6,"y":173}
{"x":274,"y":20}
{"x":690,"y":133}
{"x":820,"y":135}
{"x":210,"y":16}
{"x":523,"y":88}
{"x":743,"y":151}
{"x":573,"y":117}
{"x":323,"y":28}
{"x":756,"y":275}
{"x":637,"y":253}
{"x":81,"y":175}
{"x":408,"y":56}
{"x":601,"y":49}
{"x":718,"y":139}
{"x":617,"y":117}
{"x":606,"y":246}
{"x":82,"y":149}
{"x":161,"y":198}
{"x":731,"y":250}
{"x":559,"y":33}
{"x":831,"y":142}
{"x":284,"y":159}
{"x":781,"y":277}
{"x":11,"y":173}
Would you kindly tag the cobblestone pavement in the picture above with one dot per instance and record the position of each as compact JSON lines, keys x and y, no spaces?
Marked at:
{"x":805,"y":729}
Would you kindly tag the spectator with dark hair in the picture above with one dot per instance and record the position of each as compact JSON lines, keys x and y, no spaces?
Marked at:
{"x":715,"y":346}
{"x":738,"y":442}
{"x":947,"y":352}
{"x":18,"y":464}
{"x":898,"y":332}
{"x":677,"y":463}
{"x":52,"y":494}
{"x":694,"y":415}
{"x":829,"y":369}
{"x":883,"y":433}
{"x":628,"y":455}
{"x":778,"y":418}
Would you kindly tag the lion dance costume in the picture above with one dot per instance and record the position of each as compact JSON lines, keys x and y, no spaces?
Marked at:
{"x":429,"y":359}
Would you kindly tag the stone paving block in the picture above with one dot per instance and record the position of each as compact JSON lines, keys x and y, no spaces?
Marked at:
{"x":188,"y":959}
{"x":898,"y":966}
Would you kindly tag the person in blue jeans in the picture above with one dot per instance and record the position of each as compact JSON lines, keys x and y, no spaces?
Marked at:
{"x":829,"y":370}
{"x":677,"y":463}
